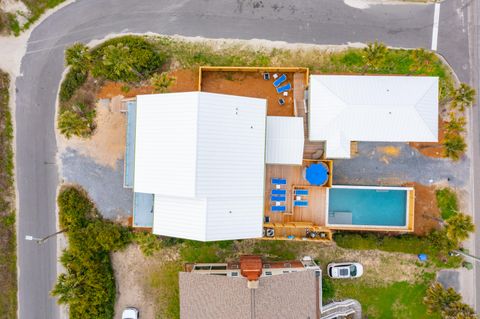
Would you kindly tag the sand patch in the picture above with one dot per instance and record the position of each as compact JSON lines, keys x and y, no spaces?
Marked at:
{"x":107,"y":145}
{"x":392,"y":151}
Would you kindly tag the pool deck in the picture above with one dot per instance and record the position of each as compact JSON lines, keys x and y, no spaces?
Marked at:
{"x":295,"y":220}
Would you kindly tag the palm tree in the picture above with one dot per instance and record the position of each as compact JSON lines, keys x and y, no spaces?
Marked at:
{"x":458,"y":227}
{"x":78,"y":57}
{"x":374,"y":54}
{"x":455,"y":124}
{"x":463,"y":97}
{"x":162,"y":82}
{"x":119,"y":62}
{"x":458,"y":310}
{"x":438,"y":298}
{"x":454,"y":146}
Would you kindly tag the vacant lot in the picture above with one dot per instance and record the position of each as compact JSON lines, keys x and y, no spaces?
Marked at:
{"x":8,"y":261}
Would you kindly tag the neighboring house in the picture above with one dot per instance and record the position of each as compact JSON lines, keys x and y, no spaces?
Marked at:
{"x":290,"y":289}
{"x":346,"y":108}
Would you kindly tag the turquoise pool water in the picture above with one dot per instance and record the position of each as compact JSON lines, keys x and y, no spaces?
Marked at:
{"x":357,"y":206}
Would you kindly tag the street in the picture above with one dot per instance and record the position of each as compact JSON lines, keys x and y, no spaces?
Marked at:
{"x":318,"y":22}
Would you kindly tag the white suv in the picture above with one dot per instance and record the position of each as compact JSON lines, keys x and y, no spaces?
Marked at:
{"x":130,"y":313}
{"x":345,"y":270}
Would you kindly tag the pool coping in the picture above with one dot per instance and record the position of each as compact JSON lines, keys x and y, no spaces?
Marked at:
{"x":408,"y":211}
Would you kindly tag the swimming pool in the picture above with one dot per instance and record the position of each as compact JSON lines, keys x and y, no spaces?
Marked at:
{"x":368,"y":207}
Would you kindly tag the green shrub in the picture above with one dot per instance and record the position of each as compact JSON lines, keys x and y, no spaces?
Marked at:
{"x":78,"y":58}
{"x":328,"y":289}
{"x":447,"y":202}
{"x":162,"y":82}
{"x":126,"y":59}
{"x":88,"y":284}
{"x":74,"y":208}
{"x":148,"y":242}
{"x":80,"y":124}
{"x":454,"y":145}
{"x":73,"y":80}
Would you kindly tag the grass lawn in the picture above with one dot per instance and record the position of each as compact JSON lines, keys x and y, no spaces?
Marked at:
{"x":447,"y":202}
{"x":397,"y":300}
{"x":384,"y":291}
{"x":8,"y":261}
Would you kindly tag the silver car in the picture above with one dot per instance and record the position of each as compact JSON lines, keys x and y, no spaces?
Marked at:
{"x":345,"y":270}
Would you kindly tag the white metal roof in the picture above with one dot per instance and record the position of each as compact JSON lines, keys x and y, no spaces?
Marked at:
{"x":195,"y":150}
{"x":208,"y":219}
{"x":285,"y":140}
{"x":346,"y":108}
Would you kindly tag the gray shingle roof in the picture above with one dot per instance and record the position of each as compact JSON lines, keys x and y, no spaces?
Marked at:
{"x":293,"y":295}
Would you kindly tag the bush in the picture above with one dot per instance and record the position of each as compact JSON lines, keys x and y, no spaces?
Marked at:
{"x":73,"y":80}
{"x":454,"y":145}
{"x":78,"y":58}
{"x":88,"y":285}
{"x":162,"y":82}
{"x":79,"y":123}
{"x":126,"y":59}
{"x":447,"y":202}
{"x":148,"y":242}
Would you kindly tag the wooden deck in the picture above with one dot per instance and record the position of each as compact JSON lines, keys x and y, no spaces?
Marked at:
{"x":316,"y":210}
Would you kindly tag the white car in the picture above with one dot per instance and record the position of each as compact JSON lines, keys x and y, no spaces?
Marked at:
{"x":345,"y":270}
{"x":130,"y":313}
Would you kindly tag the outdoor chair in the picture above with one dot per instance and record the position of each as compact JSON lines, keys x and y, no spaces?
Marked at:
{"x":280,"y":80}
{"x":284,"y":88}
{"x":281,"y":101}
{"x":266,"y":76}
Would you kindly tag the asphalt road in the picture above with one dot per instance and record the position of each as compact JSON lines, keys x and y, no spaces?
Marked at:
{"x":308,"y":21}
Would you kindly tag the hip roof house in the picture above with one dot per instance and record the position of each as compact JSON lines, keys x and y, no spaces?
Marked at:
{"x":203,"y":156}
{"x":344,"y":108}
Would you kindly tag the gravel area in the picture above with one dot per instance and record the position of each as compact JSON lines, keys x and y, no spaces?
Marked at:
{"x":372,"y":166}
{"x":103,"y":183}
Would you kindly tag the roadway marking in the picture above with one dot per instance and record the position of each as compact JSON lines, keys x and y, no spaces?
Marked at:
{"x":436,"y":18}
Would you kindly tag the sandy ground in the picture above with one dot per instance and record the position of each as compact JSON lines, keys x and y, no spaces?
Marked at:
{"x":131,"y":274}
{"x":107,"y":145}
{"x":435,"y":150}
{"x":250,"y":84}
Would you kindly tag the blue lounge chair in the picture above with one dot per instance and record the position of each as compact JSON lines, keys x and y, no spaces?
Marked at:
{"x":279,"y":191}
{"x":278,"y":208}
{"x":301,"y":192}
{"x":280,"y":80}
{"x":300,"y":203}
{"x":284,"y":88}
{"x":277,"y":198}
{"x":279,"y":181}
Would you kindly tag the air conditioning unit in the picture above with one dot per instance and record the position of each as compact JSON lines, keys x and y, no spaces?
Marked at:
{"x":270,"y":232}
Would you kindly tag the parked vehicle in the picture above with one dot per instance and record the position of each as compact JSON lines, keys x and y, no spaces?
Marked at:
{"x":345,"y":270}
{"x":130,"y":313}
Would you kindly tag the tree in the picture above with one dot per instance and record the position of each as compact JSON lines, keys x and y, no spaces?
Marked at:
{"x":119,"y":61}
{"x":458,"y":310}
{"x":447,"y":302}
{"x":439,"y":298}
{"x":455,"y":124}
{"x":71,"y":123}
{"x":162,"y":82}
{"x":454,"y":146}
{"x":463,"y":96}
{"x":78,"y":57}
{"x":374,"y":54}
{"x":458,"y":227}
